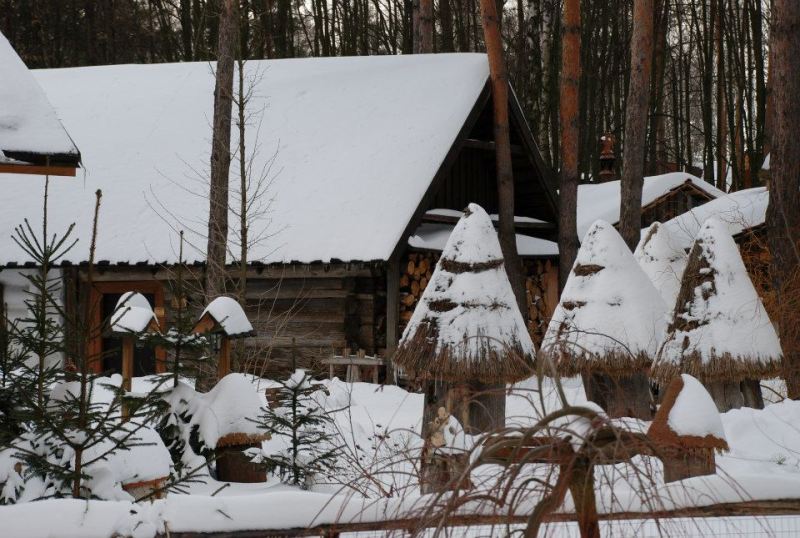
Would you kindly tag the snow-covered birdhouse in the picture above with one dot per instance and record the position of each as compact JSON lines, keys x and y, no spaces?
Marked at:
{"x":687,"y":430}
{"x":132,"y":317}
{"x":224,"y":317}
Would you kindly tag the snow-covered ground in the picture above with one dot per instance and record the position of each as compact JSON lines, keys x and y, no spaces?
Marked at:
{"x":380,"y":429}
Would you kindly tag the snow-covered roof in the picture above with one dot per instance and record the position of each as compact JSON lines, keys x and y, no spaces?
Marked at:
{"x":132,"y":314}
{"x":662,"y":261}
{"x":610,"y":315}
{"x":434,"y":236}
{"x":351,"y":145}
{"x":230,"y":316}
{"x":467,"y":324}
{"x":30,"y":129}
{"x":737,"y":211}
{"x":601,"y":200}
{"x":720,"y":329}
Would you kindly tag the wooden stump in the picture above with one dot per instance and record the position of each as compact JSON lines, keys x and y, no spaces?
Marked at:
{"x":726,"y":394}
{"x":487,"y":408}
{"x":233,"y":465}
{"x":622,"y":396}
{"x":751,"y":393}
{"x":680,"y":464}
{"x":445,"y":472}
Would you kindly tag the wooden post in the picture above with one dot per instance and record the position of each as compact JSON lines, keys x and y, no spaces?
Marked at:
{"x":127,"y":371}
{"x":224,"y":364}
{"x":581,"y":485}
{"x":392,"y":315}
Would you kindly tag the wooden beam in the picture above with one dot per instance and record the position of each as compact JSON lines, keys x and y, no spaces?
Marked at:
{"x":446,"y":219}
{"x":486,"y":145}
{"x":127,"y":371}
{"x":39,"y":170}
{"x":392,"y":313}
{"x":781,"y":507}
{"x":224,"y":364}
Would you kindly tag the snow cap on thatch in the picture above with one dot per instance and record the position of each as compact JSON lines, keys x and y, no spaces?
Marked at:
{"x":720,"y":330}
{"x":610,"y":318}
{"x":133,"y":314}
{"x":662,"y":261}
{"x":467,"y":325}
{"x":228,"y":317}
{"x":688,"y":418}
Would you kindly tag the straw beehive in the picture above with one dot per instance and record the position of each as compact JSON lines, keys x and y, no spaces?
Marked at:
{"x":720,"y":331}
{"x":467,"y":326}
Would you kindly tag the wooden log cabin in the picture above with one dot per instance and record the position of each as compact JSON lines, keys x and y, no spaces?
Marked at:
{"x":664,"y":197}
{"x":358,"y":169}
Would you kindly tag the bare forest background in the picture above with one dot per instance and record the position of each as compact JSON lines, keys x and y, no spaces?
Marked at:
{"x":708,"y":102}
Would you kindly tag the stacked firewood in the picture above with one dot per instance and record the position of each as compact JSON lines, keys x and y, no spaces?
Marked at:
{"x":541,"y":286}
{"x":414,"y":276}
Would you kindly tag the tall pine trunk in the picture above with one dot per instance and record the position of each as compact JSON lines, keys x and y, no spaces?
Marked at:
{"x":568,"y":184}
{"x":636,"y":107}
{"x":783,"y":212}
{"x":221,"y":152}
{"x":505,"y":175}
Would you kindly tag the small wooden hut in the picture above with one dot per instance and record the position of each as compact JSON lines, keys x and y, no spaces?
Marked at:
{"x":608,"y":325}
{"x":687,"y":430}
{"x":467,"y":337}
{"x":720,"y":331}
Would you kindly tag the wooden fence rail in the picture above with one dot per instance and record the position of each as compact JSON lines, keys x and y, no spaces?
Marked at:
{"x":786,"y":507}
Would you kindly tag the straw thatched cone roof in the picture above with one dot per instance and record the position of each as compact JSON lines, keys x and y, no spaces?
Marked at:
{"x":467,"y":325}
{"x":663,"y":261}
{"x":610,"y":318}
{"x":720,"y":330}
{"x":688,"y":418}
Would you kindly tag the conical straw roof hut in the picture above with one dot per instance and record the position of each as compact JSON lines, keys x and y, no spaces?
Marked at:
{"x":720,"y":331}
{"x":467,"y":326}
{"x":610,"y":318}
{"x":662,"y":261}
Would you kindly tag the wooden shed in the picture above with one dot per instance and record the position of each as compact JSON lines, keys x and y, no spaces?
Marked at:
{"x":366,"y":163}
{"x":32,"y":139}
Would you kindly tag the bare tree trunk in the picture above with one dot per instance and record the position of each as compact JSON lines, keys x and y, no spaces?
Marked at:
{"x":783,"y":213}
{"x":630,"y":222}
{"x":505,"y":175}
{"x":423,"y":26}
{"x":221,"y":152}
{"x":186,"y":29}
{"x":568,"y":184}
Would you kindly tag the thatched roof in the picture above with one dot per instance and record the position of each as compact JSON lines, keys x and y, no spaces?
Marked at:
{"x":662,"y":261}
{"x":687,"y":418}
{"x":610,"y":318}
{"x":467,"y":326}
{"x":720,"y":330}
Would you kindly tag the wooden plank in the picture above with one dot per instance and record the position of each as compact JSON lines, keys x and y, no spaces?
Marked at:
{"x":39,"y":170}
{"x":784,"y":507}
{"x":489,"y":146}
{"x":356,"y":361}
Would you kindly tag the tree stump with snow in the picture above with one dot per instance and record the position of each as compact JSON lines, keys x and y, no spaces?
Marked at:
{"x":720,"y":332}
{"x":445,"y":456}
{"x":607,"y":325}
{"x":233,"y":462}
{"x":687,"y":430}
{"x":228,"y":426}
